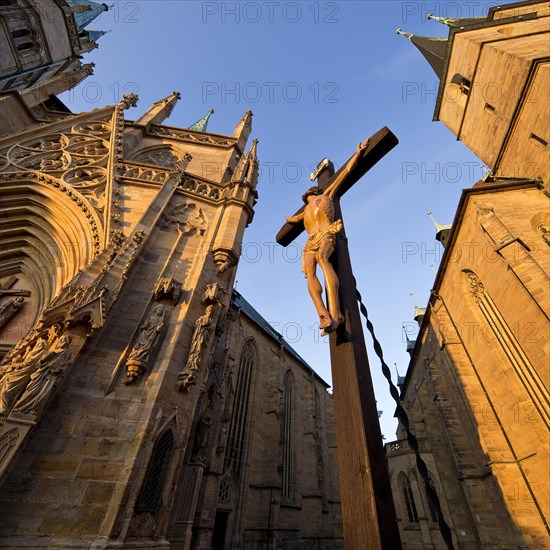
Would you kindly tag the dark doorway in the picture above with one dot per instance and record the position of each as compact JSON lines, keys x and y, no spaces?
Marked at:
{"x":220,"y":530}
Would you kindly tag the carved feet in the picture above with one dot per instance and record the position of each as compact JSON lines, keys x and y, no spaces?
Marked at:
{"x":328,"y":324}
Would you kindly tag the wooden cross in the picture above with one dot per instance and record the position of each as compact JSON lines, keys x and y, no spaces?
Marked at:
{"x":367,"y":504}
{"x":7,"y":290}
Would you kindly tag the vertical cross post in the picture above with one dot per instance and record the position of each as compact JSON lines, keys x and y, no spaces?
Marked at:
{"x":367,"y":503}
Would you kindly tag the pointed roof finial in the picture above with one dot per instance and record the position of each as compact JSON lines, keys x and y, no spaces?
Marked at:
{"x":400,"y":379}
{"x":455,"y":21}
{"x":85,"y":11}
{"x":247,"y":167}
{"x":438,"y":227}
{"x":94,"y":36}
{"x":441,"y":231}
{"x":242,"y":130}
{"x":160,"y":110}
{"x":253,"y":147}
{"x":433,"y":50}
{"x":174,"y":96}
{"x":406,"y":34}
{"x":445,"y":20}
{"x":202,"y":124}
{"x":419,"y":312}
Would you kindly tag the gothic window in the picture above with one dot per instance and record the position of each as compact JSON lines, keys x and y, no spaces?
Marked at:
{"x":408,"y":499}
{"x":433,"y":512}
{"x":21,"y":33}
{"x":237,"y":436}
{"x":25,"y":40}
{"x":150,"y":496}
{"x":288,"y":459}
{"x":161,"y":157}
{"x":225,"y":492}
{"x":462,"y":82}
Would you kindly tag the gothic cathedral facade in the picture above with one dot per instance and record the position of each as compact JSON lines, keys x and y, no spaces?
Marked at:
{"x":143,"y":402}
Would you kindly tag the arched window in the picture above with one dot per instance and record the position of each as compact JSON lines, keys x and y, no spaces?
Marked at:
{"x":162,"y":156}
{"x":408,"y":499}
{"x":24,"y":39}
{"x":433,"y":512}
{"x":288,"y":437}
{"x":225,"y":492}
{"x":150,"y":496}
{"x":21,"y":33}
{"x":237,"y":435}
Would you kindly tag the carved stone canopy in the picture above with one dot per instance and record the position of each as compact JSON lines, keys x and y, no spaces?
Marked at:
{"x":168,"y":288}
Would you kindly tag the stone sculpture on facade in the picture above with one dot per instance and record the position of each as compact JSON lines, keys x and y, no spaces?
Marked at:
{"x":10,"y":309}
{"x":202,"y":438}
{"x":203,"y":329}
{"x":148,"y":335}
{"x":18,"y":374}
{"x":319,"y":222}
{"x":167,"y":288}
{"x":48,"y":370}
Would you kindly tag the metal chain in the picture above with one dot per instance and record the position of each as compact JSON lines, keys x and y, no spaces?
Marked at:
{"x":411,"y":439}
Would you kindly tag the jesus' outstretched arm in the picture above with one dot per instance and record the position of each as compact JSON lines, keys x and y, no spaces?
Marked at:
{"x":330,"y":191}
{"x":296,"y":218}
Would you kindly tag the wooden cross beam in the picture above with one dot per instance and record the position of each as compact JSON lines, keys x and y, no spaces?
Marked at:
{"x":7,"y":290}
{"x":367,"y":504}
{"x":380,"y":143}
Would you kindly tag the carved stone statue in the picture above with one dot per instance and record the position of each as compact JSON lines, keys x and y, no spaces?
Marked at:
{"x":319,"y":222}
{"x":148,"y":335}
{"x":203,"y":328}
{"x":213,"y":293}
{"x":201,"y":438}
{"x":10,"y":309}
{"x":18,"y":375}
{"x":52,"y":364}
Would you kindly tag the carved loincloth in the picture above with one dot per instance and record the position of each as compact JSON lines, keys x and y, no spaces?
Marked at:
{"x":316,"y":240}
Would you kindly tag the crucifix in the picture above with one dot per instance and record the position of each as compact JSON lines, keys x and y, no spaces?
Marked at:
{"x":7,"y":290}
{"x":367,"y":504}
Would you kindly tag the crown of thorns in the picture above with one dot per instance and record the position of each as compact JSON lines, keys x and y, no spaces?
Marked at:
{"x":315,"y":190}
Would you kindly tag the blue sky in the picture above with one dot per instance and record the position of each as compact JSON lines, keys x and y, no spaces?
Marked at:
{"x":319,"y":77}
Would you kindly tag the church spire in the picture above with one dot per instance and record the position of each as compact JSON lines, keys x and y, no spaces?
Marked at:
{"x":433,"y":49}
{"x":242,"y":130}
{"x":85,"y":11}
{"x":441,"y":231}
{"x":202,"y":124}
{"x":160,"y":110}
{"x":252,"y":174}
{"x":247,"y":168}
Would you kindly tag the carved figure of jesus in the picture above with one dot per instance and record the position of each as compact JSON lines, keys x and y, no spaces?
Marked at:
{"x":319,"y":222}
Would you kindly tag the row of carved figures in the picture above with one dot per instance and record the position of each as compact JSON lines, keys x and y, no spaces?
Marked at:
{"x":32,"y":371}
{"x":32,"y":368}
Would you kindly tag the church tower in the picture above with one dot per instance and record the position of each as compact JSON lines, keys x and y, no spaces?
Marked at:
{"x":119,"y":245}
{"x":477,"y":390}
{"x":494,"y":76}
